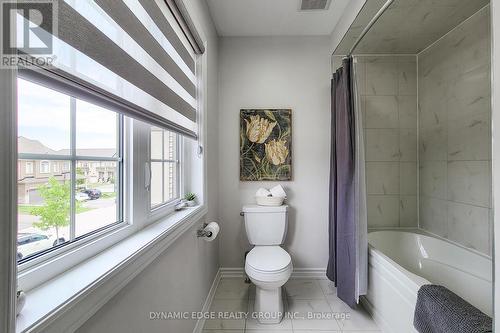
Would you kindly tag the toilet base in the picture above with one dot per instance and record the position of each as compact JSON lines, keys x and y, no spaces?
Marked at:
{"x":268,"y":305}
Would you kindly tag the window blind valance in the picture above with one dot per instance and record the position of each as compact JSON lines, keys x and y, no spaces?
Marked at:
{"x":182,"y":16}
{"x":133,"y":51}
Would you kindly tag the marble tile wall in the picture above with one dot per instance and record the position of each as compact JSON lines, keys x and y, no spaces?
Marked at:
{"x":407,"y":26}
{"x":455,"y":135}
{"x":388,"y":97}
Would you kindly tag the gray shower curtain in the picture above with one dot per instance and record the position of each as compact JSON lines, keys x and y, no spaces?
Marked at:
{"x":347,"y":265}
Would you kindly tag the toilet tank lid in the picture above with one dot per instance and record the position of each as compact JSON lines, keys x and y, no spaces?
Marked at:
{"x":264,"y":209}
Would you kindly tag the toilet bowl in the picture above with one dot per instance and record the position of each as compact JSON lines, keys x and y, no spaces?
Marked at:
{"x":269,"y":267}
{"x":267,"y":264}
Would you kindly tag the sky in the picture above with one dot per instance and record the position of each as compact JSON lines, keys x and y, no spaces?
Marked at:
{"x":44,"y":115}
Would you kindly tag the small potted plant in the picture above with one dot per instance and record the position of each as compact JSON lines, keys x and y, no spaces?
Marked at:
{"x":190,"y":198}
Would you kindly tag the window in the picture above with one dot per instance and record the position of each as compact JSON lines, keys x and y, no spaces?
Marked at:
{"x":78,"y":191}
{"x":29,"y":168}
{"x":66,"y":117}
{"x":164,"y":167}
{"x":44,"y":167}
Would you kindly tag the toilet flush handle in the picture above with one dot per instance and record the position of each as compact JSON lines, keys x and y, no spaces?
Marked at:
{"x":242,"y":214}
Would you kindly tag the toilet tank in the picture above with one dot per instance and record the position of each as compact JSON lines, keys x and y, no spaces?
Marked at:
{"x":266,"y":225}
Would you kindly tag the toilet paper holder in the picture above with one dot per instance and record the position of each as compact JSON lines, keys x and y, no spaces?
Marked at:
{"x":202,"y":233}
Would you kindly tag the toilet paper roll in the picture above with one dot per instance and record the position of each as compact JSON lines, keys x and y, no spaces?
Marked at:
{"x":212,"y":230}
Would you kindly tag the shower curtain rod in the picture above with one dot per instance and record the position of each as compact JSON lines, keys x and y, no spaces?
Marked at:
{"x":368,"y":27}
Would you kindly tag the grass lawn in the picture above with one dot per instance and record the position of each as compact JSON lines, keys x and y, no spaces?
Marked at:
{"x":26,"y":209}
{"x":108,"y":195}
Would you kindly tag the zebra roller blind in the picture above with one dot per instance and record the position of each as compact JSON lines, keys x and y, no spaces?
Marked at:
{"x":136,"y":52}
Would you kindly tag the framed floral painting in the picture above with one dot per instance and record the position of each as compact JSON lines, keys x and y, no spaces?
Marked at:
{"x":265,"y":144}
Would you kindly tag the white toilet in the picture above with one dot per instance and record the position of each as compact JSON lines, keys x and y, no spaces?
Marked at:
{"x":267,"y":264}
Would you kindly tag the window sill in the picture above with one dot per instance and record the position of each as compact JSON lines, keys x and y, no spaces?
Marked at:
{"x":67,"y":301}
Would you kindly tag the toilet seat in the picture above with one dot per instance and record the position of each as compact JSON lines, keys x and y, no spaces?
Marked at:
{"x":268,"y":264}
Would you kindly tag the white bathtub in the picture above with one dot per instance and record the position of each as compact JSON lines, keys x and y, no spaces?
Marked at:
{"x":400,"y":262}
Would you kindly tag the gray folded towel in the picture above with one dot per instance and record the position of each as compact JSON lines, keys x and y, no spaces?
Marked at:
{"x":439,"y":310}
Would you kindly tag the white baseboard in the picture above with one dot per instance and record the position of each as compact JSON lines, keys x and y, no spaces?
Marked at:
{"x":208,"y":302}
{"x":309,"y":273}
{"x":232,"y":272}
{"x":298,"y":273}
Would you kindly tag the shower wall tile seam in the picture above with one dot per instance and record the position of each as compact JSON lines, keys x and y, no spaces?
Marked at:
{"x":454,"y":201}
{"x":450,"y":32}
{"x":392,"y":199}
{"x":395,"y":128}
{"x":417,"y":78}
{"x":447,"y":160}
{"x":386,"y":95}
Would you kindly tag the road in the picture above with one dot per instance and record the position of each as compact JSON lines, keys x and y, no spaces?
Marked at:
{"x":103,"y":213}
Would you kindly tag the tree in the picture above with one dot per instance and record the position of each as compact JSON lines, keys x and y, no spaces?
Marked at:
{"x":80,"y":180}
{"x":55,"y":213}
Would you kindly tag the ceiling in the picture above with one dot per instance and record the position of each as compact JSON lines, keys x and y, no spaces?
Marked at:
{"x":407,"y":26}
{"x":273,"y":18}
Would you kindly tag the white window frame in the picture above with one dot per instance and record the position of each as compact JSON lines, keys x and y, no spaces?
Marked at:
{"x":137,"y":208}
{"x":44,"y":170}
{"x":167,"y":206}
{"x":74,"y":158}
{"x":66,"y":167}
{"x":29,"y":170}
{"x":188,"y":151}
{"x":40,"y":269}
{"x":49,"y":264}
{"x":109,"y":273}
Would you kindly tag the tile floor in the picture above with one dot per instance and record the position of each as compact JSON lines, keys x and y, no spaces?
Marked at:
{"x":304,"y":297}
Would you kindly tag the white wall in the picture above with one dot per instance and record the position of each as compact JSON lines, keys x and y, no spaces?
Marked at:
{"x":277,"y":72}
{"x":348,"y":16}
{"x":180,"y":279}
